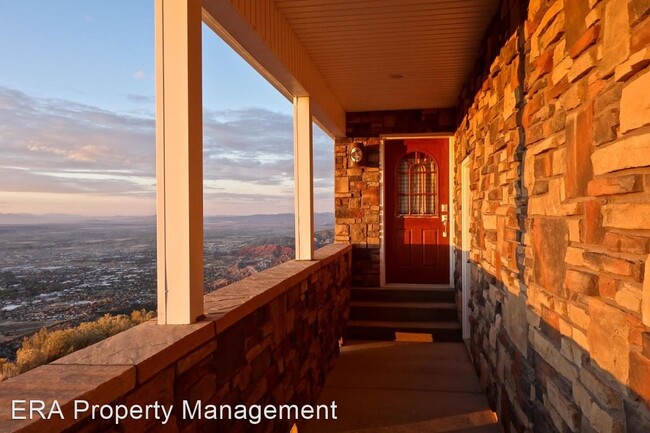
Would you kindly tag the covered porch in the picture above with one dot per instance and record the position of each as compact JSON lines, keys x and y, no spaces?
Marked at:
{"x":528,"y":115}
{"x":520,"y":130}
{"x":370,"y":74}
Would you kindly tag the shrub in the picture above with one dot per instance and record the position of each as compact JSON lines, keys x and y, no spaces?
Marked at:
{"x":45,"y":346}
{"x":7,"y":369}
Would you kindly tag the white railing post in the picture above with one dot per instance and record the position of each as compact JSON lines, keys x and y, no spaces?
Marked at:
{"x":303,"y":178}
{"x":179,"y":161}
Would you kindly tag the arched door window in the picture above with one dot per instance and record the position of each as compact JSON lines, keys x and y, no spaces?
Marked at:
{"x":417,"y":185}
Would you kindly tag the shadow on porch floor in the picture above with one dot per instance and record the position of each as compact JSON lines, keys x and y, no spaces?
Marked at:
{"x":405,"y":387}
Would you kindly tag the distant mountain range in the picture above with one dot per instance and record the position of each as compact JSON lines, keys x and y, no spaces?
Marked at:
{"x":55,"y":218}
{"x":322,"y":219}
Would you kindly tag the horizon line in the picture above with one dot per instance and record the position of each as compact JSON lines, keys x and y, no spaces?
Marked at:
{"x":55,"y":214}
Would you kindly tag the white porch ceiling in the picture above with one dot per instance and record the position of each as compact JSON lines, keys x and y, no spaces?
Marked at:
{"x":359,"y":47}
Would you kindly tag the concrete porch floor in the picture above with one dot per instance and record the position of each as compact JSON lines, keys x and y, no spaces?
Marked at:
{"x":405,"y":387}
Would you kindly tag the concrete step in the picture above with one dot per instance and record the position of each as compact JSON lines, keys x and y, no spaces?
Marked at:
{"x":403,"y":311}
{"x":385,"y":330}
{"x":403,"y":294}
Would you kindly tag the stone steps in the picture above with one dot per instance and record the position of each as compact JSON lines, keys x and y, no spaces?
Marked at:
{"x":403,"y":294}
{"x":403,"y":311}
{"x":380,"y":313}
{"x":385,"y":330}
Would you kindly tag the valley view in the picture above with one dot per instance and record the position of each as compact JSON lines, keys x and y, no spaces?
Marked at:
{"x":63,"y":271}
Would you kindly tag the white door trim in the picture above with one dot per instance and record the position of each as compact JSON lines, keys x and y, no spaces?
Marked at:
{"x":382,"y":248}
{"x":466,"y":244}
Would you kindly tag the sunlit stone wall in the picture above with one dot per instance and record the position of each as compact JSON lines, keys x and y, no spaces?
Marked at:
{"x":555,"y":120}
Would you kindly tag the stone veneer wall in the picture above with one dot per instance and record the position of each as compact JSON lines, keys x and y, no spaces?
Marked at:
{"x":269,"y":339}
{"x":556,"y":122}
{"x":357,"y":208}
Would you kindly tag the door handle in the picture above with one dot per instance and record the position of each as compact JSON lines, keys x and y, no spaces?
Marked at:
{"x":444,"y":225}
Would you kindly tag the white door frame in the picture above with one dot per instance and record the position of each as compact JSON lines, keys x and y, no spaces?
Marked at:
{"x":452,"y":226}
{"x":466,"y":243}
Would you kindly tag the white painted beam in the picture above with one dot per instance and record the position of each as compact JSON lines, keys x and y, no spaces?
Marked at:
{"x":303,"y":150}
{"x":179,"y":161}
{"x":262,"y":36}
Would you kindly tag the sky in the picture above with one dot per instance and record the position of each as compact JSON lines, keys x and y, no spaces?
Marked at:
{"x":77,"y":129}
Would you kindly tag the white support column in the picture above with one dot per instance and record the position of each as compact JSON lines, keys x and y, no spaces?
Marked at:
{"x":303,"y":178}
{"x":179,"y":161}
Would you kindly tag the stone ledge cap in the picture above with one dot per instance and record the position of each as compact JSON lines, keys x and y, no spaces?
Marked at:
{"x":64,"y":383}
{"x":149,"y":347}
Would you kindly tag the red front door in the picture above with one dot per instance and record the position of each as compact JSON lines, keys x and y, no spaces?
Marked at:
{"x":417,"y":211}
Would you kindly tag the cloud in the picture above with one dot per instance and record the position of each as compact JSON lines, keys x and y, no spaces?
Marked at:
{"x":61,"y":147}
{"x":87,"y":153}
{"x":56,"y":136}
{"x":257,"y":145}
{"x":140,"y":99}
{"x":139,"y":75}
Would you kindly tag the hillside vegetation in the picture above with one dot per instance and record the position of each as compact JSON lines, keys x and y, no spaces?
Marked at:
{"x":45,"y":346}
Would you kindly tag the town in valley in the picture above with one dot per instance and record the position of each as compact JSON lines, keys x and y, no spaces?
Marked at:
{"x":60,"y":272}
